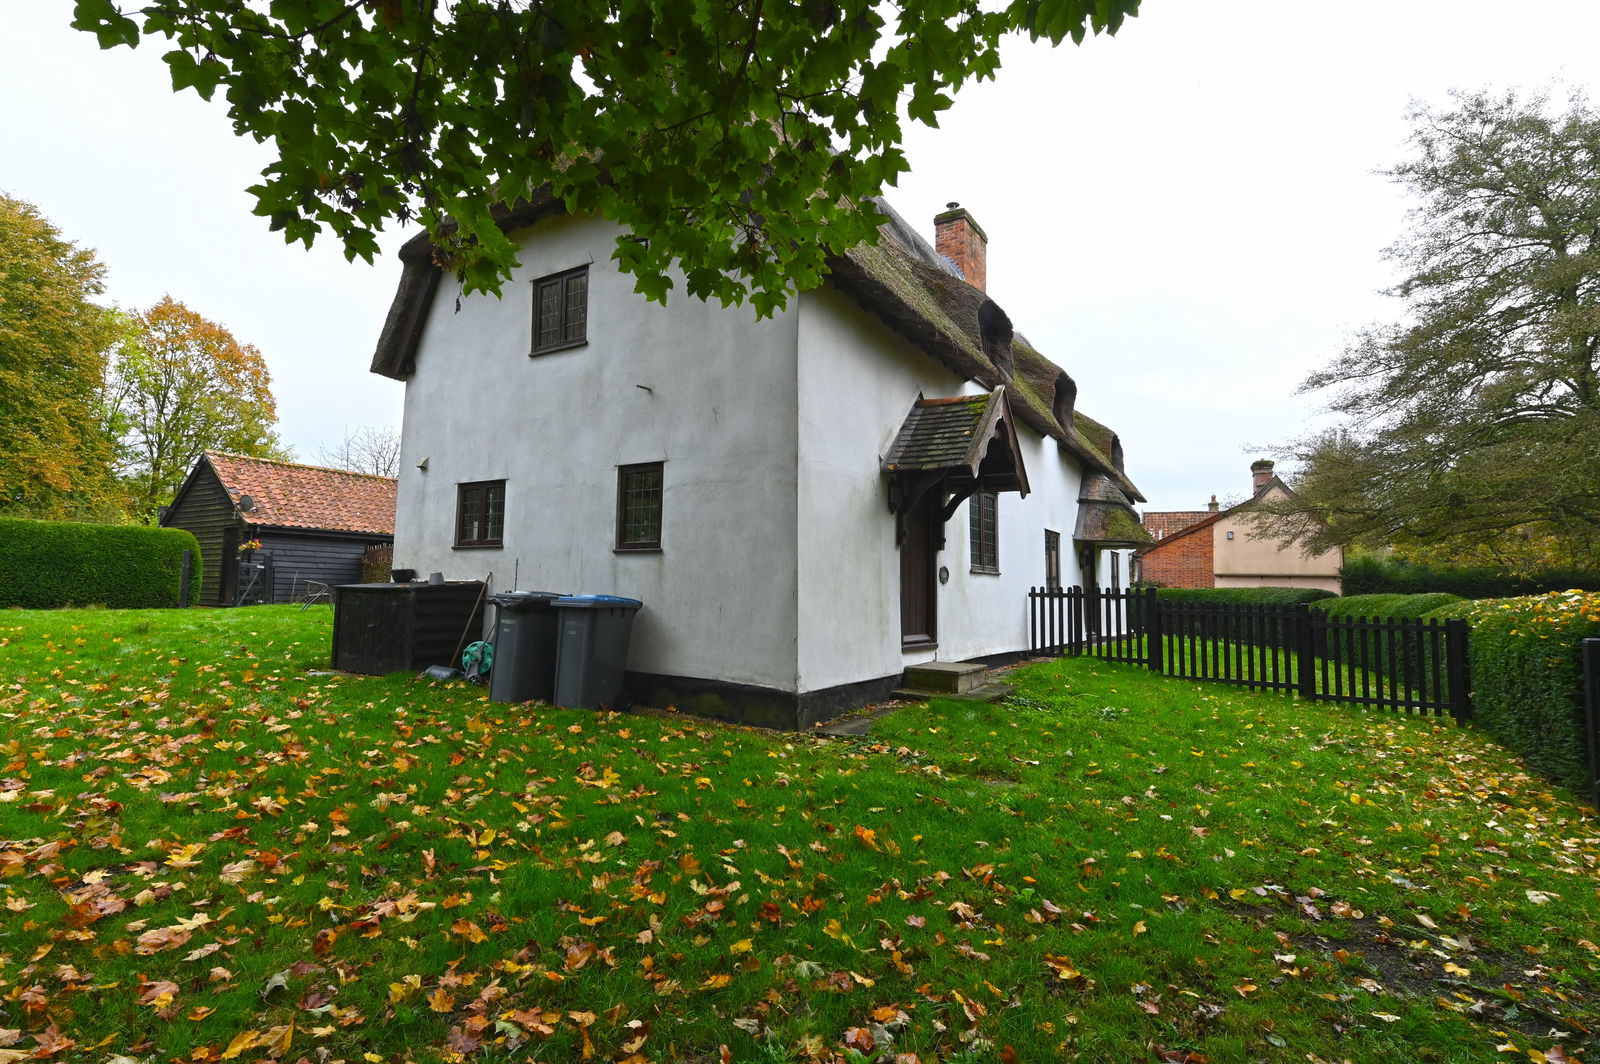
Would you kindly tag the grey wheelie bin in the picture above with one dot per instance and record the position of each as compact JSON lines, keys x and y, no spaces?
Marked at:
{"x":524,"y":646}
{"x":592,"y":648}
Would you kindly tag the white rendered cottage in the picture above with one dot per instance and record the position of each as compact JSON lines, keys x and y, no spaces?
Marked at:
{"x":806,"y":505}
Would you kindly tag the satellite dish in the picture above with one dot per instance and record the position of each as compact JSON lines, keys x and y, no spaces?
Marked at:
{"x":246,"y":504}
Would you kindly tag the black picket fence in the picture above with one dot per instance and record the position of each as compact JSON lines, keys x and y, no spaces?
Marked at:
{"x":1410,"y":665}
{"x":1591,"y":715}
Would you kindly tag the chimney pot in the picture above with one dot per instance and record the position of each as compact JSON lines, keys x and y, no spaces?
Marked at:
{"x":960,"y":239}
{"x":1260,"y":476}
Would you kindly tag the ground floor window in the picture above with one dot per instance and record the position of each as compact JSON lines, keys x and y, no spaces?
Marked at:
{"x":480,"y":513}
{"x":1116,"y":571}
{"x":639,"y":506}
{"x":1052,"y":558}
{"x":983,"y":516}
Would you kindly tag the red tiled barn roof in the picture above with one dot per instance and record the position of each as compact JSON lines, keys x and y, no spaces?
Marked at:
{"x":289,"y":495}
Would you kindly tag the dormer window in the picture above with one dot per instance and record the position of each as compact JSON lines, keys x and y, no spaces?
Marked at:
{"x":994,"y":335}
{"x":1065,"y":400}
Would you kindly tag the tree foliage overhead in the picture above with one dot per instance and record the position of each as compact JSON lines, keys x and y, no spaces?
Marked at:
{"x":54,"y":458}
{"x":178,"y":385}
{"x":735,"y":138}
{"x":1477,"y":416}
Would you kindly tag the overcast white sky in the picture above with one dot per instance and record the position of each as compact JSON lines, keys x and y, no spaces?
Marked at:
{"x":1186,"y":217}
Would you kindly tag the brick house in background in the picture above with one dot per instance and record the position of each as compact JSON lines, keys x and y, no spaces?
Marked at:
{"x":1225,"y":548}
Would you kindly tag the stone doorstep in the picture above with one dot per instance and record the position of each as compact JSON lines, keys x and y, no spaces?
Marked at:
{"x":860,"y":724}
{"x":988,"y":692}
{"x":944,"y":677}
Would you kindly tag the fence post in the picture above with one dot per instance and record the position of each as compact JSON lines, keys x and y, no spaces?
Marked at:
{"x":1591,"y":705}
{"x":185,"y":575}
{"x":1305,"y":650}
{"x":1154,"y":647}
{"x":1455,"y":644}
{"x":1035,"y":618}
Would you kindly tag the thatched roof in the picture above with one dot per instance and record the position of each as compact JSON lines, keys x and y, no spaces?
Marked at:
{"x":900,"y":280}
{"x":1106,"y":517}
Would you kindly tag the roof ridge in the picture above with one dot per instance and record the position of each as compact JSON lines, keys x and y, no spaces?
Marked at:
{"x":295,"y":465}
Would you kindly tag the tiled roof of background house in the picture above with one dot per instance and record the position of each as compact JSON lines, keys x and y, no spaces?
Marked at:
{"x":1162,"y":524}
{"x":290,"y":495}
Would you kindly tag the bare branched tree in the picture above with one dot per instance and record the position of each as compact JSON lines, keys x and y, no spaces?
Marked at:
{"x":369,"y":449}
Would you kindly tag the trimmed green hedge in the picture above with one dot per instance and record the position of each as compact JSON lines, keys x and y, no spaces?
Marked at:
{"x":1386,"y":607}
{"x":48,"y":564}
{"x":1410,"y":660}
{"x":1527,"y":675}
{"x":1372,"y":576}
{"x":1273,"y":596}
{"x":1258,"y":632}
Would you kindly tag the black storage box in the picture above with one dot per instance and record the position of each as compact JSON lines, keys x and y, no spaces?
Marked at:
{"x":384,"y":628}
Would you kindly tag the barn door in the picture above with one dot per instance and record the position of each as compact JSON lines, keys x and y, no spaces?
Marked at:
{"x":919,"y":558}
{"x":228,"y":578}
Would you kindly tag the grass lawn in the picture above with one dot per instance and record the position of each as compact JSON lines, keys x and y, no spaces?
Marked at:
{"x":210,"y":849}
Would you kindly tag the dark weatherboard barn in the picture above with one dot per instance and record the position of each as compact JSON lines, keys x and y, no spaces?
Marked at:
{"x":312,"y":524}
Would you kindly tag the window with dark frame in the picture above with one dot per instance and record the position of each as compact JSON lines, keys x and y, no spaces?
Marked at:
{"x":1116,"y":571}
{"x":480,"y":513}
{"x":1052,"y":558}
{"x":639,"y":506}
{"x":561,"y":311}
{"x":983,"y":512}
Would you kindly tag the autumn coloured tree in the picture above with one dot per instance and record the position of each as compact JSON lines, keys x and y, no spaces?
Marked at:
{"x":54,"y":459}
{"x":1472,"y":424}
{"x":740,"y":140}
{"x":178,"y":385}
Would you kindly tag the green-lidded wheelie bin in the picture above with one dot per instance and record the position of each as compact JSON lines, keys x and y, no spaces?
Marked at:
{"x":592,"y":648}
{"x":525,"y":633}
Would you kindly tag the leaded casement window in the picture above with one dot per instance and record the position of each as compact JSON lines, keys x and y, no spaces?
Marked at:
{"x":983,"y":511}
{"x":1052,"y":558}
{"x":561,"y":311}
{"x":480,"y":513}
{"x":639,"y":506}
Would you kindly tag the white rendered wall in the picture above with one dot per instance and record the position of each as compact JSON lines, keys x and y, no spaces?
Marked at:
{"x":708,"y":391}
{"x":857,"y":383}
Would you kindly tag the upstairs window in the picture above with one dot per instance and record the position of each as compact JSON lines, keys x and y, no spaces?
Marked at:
{"x":983,"y":515}
{"x":639,"y":506}
{"x":480,"y":513}
{"x":561,"y":311}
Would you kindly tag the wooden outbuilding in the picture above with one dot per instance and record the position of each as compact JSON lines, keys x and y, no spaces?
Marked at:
{"x":312,"y":523}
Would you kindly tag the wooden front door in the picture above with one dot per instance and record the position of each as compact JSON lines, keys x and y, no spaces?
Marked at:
{"x":919,"y":564}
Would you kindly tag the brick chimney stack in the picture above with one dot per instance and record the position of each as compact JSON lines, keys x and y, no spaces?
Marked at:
{"x":1260,"y":476}
{"x":957,"y":237}
{"x":1212,"y":505}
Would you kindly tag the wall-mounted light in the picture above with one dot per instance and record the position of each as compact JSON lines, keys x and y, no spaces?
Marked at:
{"x":423,"y":465}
